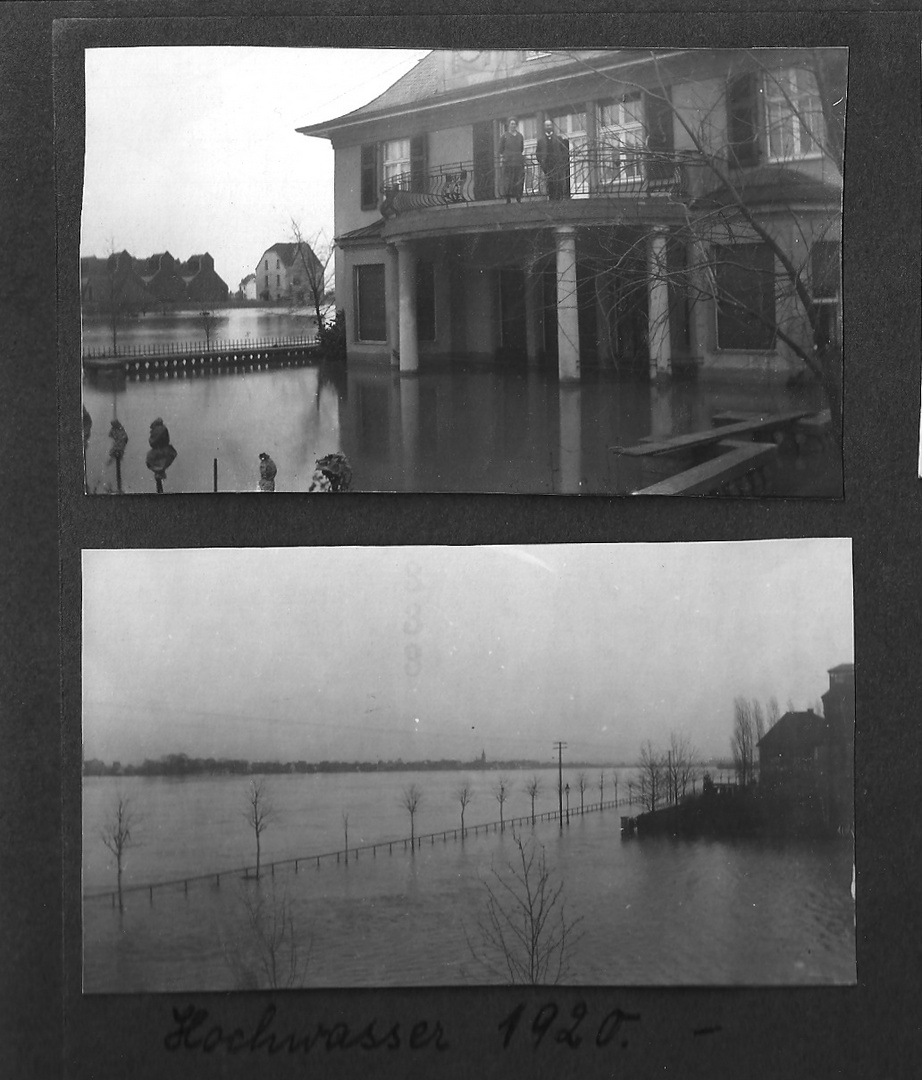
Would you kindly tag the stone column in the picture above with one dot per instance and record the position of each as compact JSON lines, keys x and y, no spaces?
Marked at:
{"x":406,"y":275}
{"x":567,"y":310}
{"x":392,"y":299}
{"x":658,"y":306}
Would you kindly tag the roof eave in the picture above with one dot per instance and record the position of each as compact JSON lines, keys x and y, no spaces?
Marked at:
{"x":359,"y":117}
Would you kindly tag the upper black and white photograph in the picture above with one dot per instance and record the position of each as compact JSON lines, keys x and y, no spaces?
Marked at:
{"x":602,"y":272}
{"x":578,"y":765}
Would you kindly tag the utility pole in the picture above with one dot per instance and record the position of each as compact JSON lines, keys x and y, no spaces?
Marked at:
{"x":561,"y":746}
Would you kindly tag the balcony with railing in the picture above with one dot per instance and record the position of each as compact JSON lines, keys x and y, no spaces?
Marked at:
{"x":594,"y":172}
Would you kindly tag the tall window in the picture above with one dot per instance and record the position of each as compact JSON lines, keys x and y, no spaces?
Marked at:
{"x":371,"y":312}
{"x":528,"y":126}
{"x":793,"y":114}
{"x":621,"y":136}
{"x":745,"y":296}
{"x":572,"y":126}
{"x":397,"y":163}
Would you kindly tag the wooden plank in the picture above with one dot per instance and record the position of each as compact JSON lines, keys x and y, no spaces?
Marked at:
{"x":737,"y":459}
{"x":816,"y":426}
{"x":696,"y":439}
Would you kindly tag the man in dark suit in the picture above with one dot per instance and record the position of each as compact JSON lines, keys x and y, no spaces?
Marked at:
{"x":553,"y":154}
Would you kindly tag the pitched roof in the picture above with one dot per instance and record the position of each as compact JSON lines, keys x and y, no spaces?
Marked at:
{"x":193,"y":264}
{"x":776,"y":182}
{"x":795,"y":731}
{"x":422,"y":81}
{"x":289,"y":252}
{"x":427,"y":83}
{"x":366,"y":232}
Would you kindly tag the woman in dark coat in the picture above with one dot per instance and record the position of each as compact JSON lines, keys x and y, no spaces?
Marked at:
{"x":512,"y":160}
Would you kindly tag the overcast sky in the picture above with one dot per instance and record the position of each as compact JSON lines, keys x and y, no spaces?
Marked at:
{"x":193,"y":149}
{"x":320,"y":653}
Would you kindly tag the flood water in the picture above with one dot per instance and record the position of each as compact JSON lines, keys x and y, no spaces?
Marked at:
{"x":652,"y":912}
{"x":452,"y":428}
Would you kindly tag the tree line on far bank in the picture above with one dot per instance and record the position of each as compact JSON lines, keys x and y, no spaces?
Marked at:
{"x":183,"y":765}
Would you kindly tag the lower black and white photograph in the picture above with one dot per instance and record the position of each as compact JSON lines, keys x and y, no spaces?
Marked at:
{"x":573,"y":764}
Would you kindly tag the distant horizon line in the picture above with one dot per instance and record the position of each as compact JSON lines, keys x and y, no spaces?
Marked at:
{"x":181,"y":763}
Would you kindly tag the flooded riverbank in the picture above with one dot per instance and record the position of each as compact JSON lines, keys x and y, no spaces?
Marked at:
{"x":657,"y":912}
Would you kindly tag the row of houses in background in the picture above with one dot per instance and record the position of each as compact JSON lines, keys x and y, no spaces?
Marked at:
{"x":122,"y":281}
{"x":285,"y":272}
{"x":806,"y":761}
{"x":699,"y":228}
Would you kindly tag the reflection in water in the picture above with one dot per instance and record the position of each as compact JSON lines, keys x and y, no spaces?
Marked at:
{"x":452,"y":428}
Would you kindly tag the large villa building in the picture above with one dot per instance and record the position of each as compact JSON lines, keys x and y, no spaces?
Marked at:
{"x":700,"y":229}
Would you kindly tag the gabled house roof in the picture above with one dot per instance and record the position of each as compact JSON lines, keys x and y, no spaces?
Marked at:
{"x":288,"y":253}
{"x":795,"y":732}
{"x":195,"y":264}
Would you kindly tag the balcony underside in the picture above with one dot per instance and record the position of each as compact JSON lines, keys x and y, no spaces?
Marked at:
{"x":497,"y":215}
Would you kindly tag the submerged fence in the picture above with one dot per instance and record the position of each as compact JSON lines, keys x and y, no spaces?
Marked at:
{"x":372,"y":850}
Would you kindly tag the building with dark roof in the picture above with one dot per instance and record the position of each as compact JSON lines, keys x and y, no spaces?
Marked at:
{"x":112,"y":284}
{"x":162,"y":277}
{"x":124,"y":283}
{"x":699,"y":225}
{"x":203,"y":285}
{"x":807,"y":761}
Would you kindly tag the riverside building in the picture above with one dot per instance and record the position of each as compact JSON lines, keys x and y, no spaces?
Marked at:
{"x":699,"y":233}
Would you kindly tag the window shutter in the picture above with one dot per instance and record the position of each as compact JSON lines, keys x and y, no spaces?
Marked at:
{"x":369,"y":191}
{"x":743,"y":120}
{"x":484,"y":161}
{"x":418,"y":163}
{"x":659,"y":120}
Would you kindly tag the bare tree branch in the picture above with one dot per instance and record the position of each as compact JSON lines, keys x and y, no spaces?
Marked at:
{"x":526,"y":934}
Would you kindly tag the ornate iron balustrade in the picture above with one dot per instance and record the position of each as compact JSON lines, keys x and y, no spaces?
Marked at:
{"x":595,"y":171}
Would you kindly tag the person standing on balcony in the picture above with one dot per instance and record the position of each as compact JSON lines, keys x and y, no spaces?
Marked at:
{"x":512,"y":160}
{"x":553,"y":154}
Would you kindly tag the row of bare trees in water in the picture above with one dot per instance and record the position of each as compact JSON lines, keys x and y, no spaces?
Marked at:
{"x":524,"y":932}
